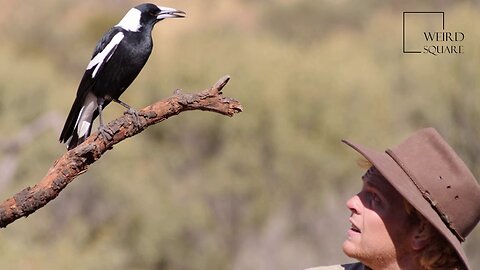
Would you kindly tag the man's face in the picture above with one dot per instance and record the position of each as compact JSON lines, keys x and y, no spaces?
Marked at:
{"x":379,"y":233}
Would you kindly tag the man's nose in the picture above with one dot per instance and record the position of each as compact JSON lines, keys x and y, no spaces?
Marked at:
{"x":354,"y":204}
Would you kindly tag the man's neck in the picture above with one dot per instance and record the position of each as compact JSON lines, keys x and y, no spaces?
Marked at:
{"x":405,"y":264}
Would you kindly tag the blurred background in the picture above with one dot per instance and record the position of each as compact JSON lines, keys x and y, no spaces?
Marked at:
{"x":265,"y":189}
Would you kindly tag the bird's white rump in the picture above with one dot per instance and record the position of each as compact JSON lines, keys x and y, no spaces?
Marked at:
{"x":84,"y":120}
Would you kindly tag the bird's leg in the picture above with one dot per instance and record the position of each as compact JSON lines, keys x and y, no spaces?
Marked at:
{"x":130,"y":111}
{"x":102,"y":128}
{"x":100,"y":105}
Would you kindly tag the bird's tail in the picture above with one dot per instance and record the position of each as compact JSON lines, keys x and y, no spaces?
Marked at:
{"x":78,"y":125}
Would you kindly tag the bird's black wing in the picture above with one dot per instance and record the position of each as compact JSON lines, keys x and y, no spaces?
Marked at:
{"x":101,"y":55}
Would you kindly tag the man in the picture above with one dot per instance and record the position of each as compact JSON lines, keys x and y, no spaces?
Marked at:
{"x":418,"y":203}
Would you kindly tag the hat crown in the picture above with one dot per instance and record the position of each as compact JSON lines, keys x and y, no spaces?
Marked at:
{"x":443,"y":179}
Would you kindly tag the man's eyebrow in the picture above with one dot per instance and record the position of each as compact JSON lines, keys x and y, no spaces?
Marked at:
{"x":371,"y":184}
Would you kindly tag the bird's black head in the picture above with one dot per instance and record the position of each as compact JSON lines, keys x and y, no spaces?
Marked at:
{"x":146,"y":15}
{"x":154,"y":13}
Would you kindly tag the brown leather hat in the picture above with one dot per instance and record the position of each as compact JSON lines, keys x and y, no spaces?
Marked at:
{"x":426,"y":171}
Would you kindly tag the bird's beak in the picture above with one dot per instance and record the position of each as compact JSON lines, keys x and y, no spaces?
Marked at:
{"x":166,"y":12}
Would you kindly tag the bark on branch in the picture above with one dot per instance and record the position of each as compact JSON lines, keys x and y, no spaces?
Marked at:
{"x":76,"y":161}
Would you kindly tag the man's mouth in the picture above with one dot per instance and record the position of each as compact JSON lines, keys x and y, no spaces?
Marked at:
{"x":354,"y":228}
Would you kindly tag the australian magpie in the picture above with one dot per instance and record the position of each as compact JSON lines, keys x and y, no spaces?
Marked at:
{"x":116,"y":61}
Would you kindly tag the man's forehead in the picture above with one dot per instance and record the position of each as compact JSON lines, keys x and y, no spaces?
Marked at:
{"x":374,"y":178}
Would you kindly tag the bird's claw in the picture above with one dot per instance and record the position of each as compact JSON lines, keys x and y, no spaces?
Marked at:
{"x":105,"y":132}
{"x":135,"y":115}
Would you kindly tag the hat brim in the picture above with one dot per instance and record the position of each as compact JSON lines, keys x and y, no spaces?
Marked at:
{"x":405,"y":186}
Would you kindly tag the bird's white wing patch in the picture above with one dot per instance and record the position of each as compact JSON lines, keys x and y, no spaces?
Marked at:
{"x":103,"y":56}
{"x":131,"y":20}
{"x":84,"y":120}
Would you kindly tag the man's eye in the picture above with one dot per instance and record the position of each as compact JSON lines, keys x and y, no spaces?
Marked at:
{"x":373,"y":198}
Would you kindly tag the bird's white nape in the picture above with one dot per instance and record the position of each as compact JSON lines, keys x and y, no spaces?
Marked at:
{"x":131,"y":21}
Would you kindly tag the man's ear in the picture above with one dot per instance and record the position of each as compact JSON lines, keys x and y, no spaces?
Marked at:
{"x":421,"y":235}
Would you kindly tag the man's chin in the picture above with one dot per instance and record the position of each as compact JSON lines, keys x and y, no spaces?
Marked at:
{"x":350,"y":249}
{"x":355,"y":251}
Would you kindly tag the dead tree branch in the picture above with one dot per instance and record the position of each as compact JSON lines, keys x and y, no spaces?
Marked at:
{"x":76,"y":161}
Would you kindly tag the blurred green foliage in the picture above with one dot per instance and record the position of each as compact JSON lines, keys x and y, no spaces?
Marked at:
{"x":263,"y":190}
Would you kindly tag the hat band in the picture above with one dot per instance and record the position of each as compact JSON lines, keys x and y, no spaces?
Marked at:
{"x":426,"y":195}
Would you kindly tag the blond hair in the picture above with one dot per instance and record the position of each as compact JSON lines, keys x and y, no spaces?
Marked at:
{"x":438,"y":254}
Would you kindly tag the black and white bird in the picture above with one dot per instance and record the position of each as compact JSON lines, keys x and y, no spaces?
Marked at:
{"x":117,"y":60}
